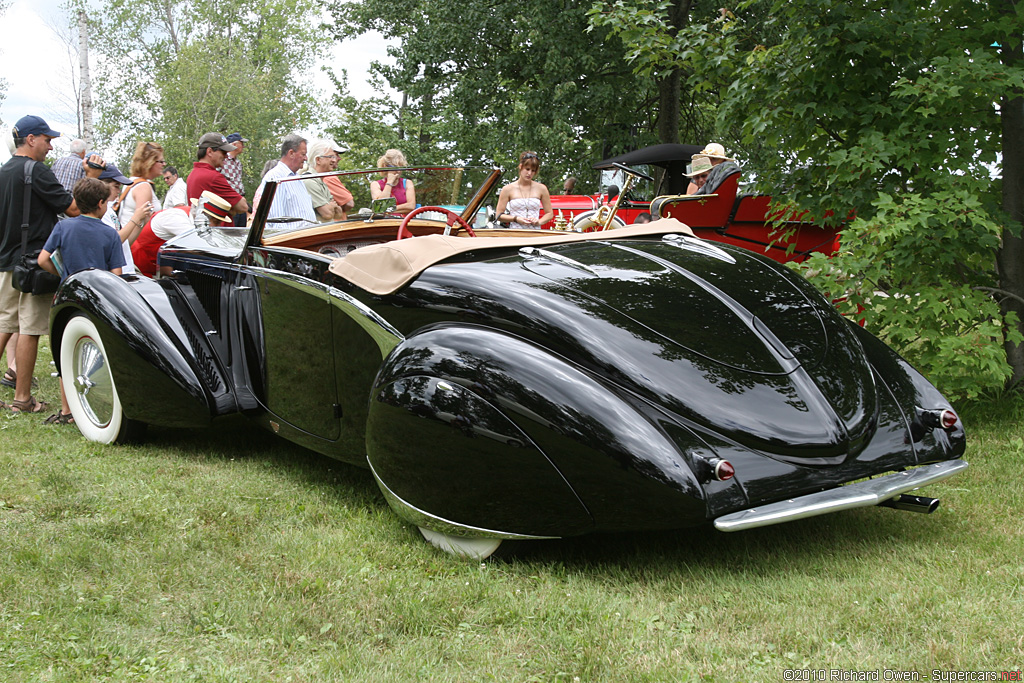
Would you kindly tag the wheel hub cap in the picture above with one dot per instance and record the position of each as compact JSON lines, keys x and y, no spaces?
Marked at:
{"x":93,"y":382}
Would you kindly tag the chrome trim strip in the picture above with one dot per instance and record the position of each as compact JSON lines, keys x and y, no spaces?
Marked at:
{"x":859,"y":494}
{"x":386,"y":336}
{"x":421,"y":518}
{"x":535,"y":253}
{"x":698,"y":245}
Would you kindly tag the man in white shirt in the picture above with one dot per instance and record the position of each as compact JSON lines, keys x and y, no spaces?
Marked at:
{"x":291,"y":199}
{"x":177,"y":194}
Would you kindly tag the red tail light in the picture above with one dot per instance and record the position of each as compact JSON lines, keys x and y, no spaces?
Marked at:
{"x":939,"y":419}
{"x":724,"y":470}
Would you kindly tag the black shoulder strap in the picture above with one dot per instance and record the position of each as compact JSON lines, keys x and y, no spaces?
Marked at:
{"x":29,"y":163}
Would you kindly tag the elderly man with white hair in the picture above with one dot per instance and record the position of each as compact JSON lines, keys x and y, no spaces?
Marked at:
{"x":68,"y":168}
{"x":323,"y":158}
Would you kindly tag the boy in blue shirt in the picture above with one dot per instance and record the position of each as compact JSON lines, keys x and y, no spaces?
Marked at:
{"x":84,"y":242}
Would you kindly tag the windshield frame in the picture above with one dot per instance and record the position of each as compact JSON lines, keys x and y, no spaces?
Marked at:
{"x":491,"y":178}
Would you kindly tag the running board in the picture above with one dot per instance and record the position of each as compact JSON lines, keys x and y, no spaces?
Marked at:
{"x":856,"y":495}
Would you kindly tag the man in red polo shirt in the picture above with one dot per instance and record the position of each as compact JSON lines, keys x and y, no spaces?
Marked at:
{"x":213,"y":149}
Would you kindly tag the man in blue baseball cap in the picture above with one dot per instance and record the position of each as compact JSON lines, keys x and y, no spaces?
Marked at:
{"x":19,"y":312}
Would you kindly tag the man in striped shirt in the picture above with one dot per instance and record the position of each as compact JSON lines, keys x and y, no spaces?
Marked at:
{"x":232,"y":170}
{"x":68,"y":168}
{"x":291,"y":199}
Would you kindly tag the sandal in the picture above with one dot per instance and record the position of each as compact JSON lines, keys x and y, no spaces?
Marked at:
{"x":29,"y":406}
{"x":10,"y":379}
{"x":60,"y":418}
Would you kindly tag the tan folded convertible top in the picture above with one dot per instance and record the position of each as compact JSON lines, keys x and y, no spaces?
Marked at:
{"x":386,"y":268}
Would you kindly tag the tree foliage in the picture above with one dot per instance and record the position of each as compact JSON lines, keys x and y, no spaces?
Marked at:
{"x":175,"y":69}
{"x":892,"y":110}
{"x":485,"y":80}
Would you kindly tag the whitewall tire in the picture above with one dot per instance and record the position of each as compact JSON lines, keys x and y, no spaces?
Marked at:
{"x":89,"y":384}
{"x":470,"y":548}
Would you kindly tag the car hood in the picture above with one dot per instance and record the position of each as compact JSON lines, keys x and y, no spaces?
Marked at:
{"x":722,"y":339}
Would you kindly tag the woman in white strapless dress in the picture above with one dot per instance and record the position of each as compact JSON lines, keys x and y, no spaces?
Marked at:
{"x":525,"y":203}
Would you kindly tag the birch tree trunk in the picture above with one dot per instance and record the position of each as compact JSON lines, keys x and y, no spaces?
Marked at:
{"x":84,"y":78}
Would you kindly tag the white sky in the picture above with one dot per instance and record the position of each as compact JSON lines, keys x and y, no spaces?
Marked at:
{"x":28,"y":39}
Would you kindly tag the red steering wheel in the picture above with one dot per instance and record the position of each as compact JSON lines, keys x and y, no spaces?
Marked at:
{"x":452,"y":219}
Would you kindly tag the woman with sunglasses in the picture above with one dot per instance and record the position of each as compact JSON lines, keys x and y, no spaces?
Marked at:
{"x":520,"y":203}
{"x":147,"y":164}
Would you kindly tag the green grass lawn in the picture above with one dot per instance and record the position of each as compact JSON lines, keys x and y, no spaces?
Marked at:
{"x":229,"y":555}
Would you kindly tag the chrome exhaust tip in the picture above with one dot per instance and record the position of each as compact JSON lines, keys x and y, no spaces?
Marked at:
{"x":904,"y":501}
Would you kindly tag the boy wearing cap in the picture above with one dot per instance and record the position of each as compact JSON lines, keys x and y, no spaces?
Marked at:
{"x":205,"y":175}
{"x":29,"y":313}
{"x":84,"y":242}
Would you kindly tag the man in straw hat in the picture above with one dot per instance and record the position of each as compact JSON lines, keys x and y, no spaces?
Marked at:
{"x":721,"y":168}
{"x":170,"y":223}
{"x":698,"y":175}
{"x":715,"y":152}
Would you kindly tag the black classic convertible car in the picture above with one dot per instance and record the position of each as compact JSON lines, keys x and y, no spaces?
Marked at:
{"x":505,"y":384}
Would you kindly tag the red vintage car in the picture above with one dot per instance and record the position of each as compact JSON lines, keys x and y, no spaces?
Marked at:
{"x":726,"y":215}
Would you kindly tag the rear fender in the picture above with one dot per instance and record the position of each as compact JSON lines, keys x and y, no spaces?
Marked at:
{"x":912,"y":392}
{"x":153,"y":358}
{"x":584,"y":448}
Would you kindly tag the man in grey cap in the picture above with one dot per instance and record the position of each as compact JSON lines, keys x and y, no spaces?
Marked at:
{"x":29,"y":314}
{"x":232,"y":170}
{"x":205,"y":175}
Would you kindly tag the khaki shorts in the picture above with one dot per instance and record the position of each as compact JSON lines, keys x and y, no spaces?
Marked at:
{"x":20,"y":312}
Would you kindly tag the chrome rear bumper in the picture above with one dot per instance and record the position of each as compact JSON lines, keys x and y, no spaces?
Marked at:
{"x":859,"y":494}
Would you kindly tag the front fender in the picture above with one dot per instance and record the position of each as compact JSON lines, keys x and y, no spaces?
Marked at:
{"x":151,"y":359}
{"x":484,"y":428}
